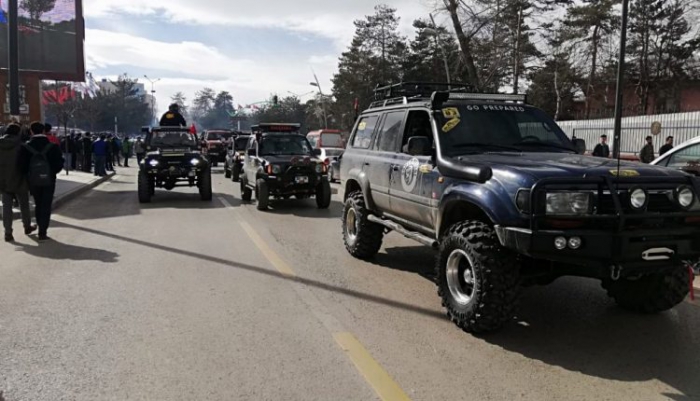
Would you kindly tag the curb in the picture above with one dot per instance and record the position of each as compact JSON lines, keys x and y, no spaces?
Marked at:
{"x":69,"y":196}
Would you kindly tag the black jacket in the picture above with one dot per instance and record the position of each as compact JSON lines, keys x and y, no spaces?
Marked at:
{"x":38,"y":143}
{"x":173,"y":119}
{"x":601,"y":150}
{"x":664,"y":149}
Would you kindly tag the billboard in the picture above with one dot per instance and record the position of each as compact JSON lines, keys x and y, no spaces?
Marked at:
{"x":51,"y":36}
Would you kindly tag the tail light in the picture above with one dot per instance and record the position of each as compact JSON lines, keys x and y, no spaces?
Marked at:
{"x":269,"y":169}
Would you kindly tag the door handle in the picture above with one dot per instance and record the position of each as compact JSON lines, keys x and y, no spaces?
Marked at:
{"x":366,"y":164}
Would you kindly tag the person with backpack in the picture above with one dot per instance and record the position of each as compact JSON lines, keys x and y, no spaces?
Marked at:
{"x":13,"y":184}
{"x":40,"y":161}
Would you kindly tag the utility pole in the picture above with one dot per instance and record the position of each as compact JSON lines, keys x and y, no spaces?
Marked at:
{"x":620,"y":82}
{"x":13,"y":56}
{"x":153,"y":97}
{"x":323,"y":99}
{"x":516,"y":66}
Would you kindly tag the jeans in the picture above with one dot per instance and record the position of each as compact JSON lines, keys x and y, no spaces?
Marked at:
{"x":43,"y":200}
{"x":100,"y":165}
{"x":68,"y":162}
{"x":7,"y":213}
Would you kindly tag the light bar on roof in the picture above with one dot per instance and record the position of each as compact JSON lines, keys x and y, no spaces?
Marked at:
{"x":489,"y":97}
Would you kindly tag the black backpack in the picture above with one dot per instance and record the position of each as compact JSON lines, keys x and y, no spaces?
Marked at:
{"x":40,"y":174}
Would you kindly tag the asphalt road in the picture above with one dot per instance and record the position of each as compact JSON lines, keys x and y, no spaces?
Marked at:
{"x":186,"y":300}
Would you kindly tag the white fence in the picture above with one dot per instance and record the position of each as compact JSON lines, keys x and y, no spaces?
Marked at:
{"x":682,"y":126}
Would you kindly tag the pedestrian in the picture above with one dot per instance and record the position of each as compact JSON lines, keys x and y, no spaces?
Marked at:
{"x":109,"y":158}
{"x":79,"y":155}
{"x":40,"y":161}
{"x":646,"y":155}
{"x":126,"y":150}
{"x":667,"y":147}
{"x":13,"y":184}
{"x":100,"y":149}
{"x":87,"y":153}
{"x":602,"y":149}
{"x":116,"y":151}
{"x":74,"y":151}
{"x":50,"y":135}
{"x":67,"y":146}
{"x":140,"y":150}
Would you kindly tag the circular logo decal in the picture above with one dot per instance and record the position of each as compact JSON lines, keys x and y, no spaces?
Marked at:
{"x":409,"y":175}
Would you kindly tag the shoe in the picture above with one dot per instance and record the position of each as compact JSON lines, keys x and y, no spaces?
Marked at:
{"x":30,"y":229}
{"x":43,"y":237}
{"x":9,"y":238}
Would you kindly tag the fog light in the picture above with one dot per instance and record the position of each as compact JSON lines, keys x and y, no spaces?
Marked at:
{"x":638,"y":198}
{"x":560,"y":243}
{"x":575,"y":243}
{"x":685,"y":197}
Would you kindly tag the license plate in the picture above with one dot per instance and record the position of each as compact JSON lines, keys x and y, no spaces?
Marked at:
{"x":301,"y":179}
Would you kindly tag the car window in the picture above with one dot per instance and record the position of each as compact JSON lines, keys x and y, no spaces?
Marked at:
{"x":417,"y":125}
{"x":365,"y":132}
{"x":285,"y":145}
{"x":172,"y":139}
{"x":390,"y":134}
{"x":685,"y":158}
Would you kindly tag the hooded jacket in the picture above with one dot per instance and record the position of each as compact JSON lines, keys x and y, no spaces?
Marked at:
{"x":11,"y":179}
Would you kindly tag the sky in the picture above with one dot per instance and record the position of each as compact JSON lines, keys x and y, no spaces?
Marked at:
{"x":250,"y":48}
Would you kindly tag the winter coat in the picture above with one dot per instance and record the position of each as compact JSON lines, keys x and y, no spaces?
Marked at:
{"x":38,"y":143}
{"x":11,"y":179}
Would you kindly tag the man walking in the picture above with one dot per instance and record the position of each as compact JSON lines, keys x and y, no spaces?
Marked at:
{"x":117,"y":151}
{"x":87,"y":153}
{"x":109,"y":157}
{"x":140,"y":150}
{"x":13,"y":184}
{"x":667,"y":147}
{"x":40,"y":161}
{"x":602,"y":149}
{"x":74,"y":154}
{"x":646,"y":155}
{"x":67,"y":150}
{"x":126,"y":151}
{"x":100,"y":149}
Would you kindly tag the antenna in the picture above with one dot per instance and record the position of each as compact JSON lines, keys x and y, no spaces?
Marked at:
{"x":620,"y":85}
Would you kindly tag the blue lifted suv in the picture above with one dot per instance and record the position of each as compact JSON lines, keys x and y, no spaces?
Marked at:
{"x":509,"y":201}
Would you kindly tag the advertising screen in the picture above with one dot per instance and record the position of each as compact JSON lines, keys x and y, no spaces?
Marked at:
{"x":51,"y":34}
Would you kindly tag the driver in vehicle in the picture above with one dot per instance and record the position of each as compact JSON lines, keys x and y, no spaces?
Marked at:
{"x":173,"y":118}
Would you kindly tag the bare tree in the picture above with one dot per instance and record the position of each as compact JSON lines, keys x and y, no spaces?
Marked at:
{"x":37,"y":8}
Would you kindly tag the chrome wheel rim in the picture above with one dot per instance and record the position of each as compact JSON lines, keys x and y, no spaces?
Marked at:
{"x":351,"y":224}
{"x":461,"y":277}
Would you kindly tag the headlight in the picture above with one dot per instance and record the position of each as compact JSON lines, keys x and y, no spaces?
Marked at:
{"x":319,"y":168}
{"x":276,"y":169}
{"x":569,"y":203}
{"x":685,"y":197}
{"x":638,"y":198}
{"x":153,"y":163}
{"x":194,"y":162}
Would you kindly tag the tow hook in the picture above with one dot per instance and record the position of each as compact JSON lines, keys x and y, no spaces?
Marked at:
{"x":615,"y":272}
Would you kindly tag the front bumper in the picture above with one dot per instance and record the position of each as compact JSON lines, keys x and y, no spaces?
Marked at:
{"x":286,"y":185}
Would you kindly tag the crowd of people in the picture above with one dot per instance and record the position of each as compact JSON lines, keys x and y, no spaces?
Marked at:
{"x":99,"y":153}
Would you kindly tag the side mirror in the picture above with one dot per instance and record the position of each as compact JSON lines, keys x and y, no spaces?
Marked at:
{"x":418,"y":146}
{"x":580,"y":146}
{"x":317,"y":152}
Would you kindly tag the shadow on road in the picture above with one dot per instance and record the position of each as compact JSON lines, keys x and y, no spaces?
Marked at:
{"x":266,"y":272}
{"x":305,"y":208}
{"x":413,"y":259}
{"x":58,"y":251}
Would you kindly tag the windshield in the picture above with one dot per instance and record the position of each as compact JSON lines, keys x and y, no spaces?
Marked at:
{"x":331,"y":140}
{"x":285,"y":145}
{"x":513,"y":128}
{"x":172,"y":139}
{"x":219,"y":136}
{"x":241,"y":143}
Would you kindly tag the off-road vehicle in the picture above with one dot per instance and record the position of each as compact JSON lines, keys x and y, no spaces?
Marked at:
{"x":280,"y":163}
{"x":508,"y":200}
{"x":235,"y":156}
{"x":214,"y":145}
{"x":172,"y":160}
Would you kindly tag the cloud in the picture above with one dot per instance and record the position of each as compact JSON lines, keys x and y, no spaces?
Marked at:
{"x":190,"y":66}
{"x":317,"y":17}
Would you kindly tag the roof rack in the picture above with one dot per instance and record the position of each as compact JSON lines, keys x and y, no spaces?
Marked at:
{"x":416,"y":89}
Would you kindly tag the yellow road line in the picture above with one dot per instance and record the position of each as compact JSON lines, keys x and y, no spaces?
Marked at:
{"x":271,"y":255}
{"x":382,"y":383}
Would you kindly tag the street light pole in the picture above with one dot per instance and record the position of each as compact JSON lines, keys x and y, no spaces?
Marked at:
{"x":13,"y":56}
{"x":620,"y":82}
{"x":434,"y":32}
{"x":323,"y":100}
{"x":153,"y":97}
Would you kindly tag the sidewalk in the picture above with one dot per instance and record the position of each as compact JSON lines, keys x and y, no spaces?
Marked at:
{"x":69,"y":187}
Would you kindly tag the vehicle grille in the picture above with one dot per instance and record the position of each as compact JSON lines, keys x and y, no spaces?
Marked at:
{"x":660,"y":201}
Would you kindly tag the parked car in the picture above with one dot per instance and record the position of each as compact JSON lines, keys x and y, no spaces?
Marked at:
{"x":685,"y":157}
{"x":330,"y":156}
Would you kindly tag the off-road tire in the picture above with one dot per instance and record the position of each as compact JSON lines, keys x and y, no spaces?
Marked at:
{"x":262,"y":194}
{"x":205,"y":190}
{"x":496,"y":274}
{"x":246,"y":193}
{"x":369,"y":236}
{"x":227,"y":171}
{"x":236,"y":173}
{"x":323,"y":194}
{"x":144,"y":188}
{"x":652,"y":293}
